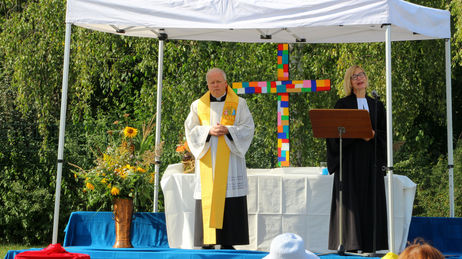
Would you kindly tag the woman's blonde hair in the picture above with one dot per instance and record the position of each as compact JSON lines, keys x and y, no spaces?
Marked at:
{"x":347,"y":88}
{"x":419,"y":249}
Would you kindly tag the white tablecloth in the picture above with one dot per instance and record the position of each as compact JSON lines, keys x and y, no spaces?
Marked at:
{"x":293,"y":199}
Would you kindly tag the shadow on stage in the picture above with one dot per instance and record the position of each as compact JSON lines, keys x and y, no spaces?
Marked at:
{"x":92,"y":233}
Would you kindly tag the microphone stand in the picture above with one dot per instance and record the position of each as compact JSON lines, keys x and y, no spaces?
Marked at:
{"x":374,"y":178}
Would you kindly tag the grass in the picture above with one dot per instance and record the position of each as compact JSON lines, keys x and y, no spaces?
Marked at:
{"x":4,"y":248}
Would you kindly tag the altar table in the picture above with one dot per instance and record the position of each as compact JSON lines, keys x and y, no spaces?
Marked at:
{"x":291,"y":199}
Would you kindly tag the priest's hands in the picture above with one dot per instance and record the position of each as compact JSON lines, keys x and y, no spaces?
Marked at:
{"x":218,"y":130}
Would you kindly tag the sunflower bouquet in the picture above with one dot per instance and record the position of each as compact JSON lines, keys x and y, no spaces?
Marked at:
{"x":186,"y":156}
{"x":124,"y":169}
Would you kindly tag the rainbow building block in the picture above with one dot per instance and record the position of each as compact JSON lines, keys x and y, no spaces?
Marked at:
{"x":277,"y":87}
{"x":283,"y":61}
{"x":282,"y":88}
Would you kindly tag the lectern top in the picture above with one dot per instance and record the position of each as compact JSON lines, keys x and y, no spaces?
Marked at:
{"x":326,"y":123}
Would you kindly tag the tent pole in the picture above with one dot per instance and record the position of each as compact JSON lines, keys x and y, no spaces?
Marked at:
{"x":158,"y":121}
{"x":391,"y":231}
{"x":449,"y":126}
{"x":62,"y":128}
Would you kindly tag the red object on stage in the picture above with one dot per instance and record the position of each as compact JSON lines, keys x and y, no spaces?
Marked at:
{"x":52,"y":251}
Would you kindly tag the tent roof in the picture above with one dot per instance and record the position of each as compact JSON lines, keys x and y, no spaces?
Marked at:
{"x":283,"y":21}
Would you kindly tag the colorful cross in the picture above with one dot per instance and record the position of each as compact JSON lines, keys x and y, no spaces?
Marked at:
{"x":282,"y":88}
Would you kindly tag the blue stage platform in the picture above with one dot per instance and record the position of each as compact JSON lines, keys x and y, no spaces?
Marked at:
{"x":169,"y":253}
{"x":96,"y":230}
{"x":92,"y":233}
{"x":443,"y":233}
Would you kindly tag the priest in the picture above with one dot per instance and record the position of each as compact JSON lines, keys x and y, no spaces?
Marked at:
{"x":219,"y":130}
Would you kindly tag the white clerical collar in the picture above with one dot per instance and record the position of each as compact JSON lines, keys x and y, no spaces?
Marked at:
{"x":219,"y":99}
{"x":362,"y":104}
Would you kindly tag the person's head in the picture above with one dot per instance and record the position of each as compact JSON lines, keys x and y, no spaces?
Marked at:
{"x":216,"y":82}
{"x":419,"y":249}
{"x":289,"y":246}
{"x":355,"y":79}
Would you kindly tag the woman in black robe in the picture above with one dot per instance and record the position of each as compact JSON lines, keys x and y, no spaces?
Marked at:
{"x":359,"y":174}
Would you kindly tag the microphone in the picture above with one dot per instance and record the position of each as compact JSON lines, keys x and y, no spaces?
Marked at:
{"x":374,"y":93}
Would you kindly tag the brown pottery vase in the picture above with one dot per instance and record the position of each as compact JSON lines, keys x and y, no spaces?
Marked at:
{"x":123,"y":212}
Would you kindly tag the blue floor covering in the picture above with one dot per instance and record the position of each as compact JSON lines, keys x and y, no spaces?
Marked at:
{"x":443,"y":233}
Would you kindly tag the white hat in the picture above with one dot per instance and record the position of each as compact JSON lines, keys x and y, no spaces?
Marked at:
{"x":289,"y":246}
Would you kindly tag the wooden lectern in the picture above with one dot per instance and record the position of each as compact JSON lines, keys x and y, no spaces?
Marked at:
{"x":326,"y":123}
{"x":341,"y":123}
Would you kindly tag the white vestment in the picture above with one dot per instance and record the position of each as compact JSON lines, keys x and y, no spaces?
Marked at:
{"x":241,"y":133}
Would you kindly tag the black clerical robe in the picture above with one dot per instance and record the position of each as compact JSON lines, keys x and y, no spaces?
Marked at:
{"x":358,"y":181}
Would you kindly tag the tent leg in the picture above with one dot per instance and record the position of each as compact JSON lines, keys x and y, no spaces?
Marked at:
{"x":62,"y":128}
{"x":158,"y":122}
{"x":391,"y":232}
{"x":449,"y":126}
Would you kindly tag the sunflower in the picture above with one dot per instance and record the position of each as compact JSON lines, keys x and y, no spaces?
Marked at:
{"x":130,"y":132}
{"x":90,"y":186}
{"x":115,"y":191}
{"x":180,"y":148}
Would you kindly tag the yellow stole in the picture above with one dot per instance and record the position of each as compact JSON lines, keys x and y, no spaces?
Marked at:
{"x":213,"y":189}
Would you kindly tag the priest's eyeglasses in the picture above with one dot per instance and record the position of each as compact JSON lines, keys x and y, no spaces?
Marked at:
{"x":359,"y":75}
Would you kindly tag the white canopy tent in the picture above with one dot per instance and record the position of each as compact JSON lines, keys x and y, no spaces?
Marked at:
{"x":280,"y":21}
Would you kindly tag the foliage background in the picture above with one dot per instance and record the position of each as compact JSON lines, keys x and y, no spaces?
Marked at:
{"x":112,"y":75}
